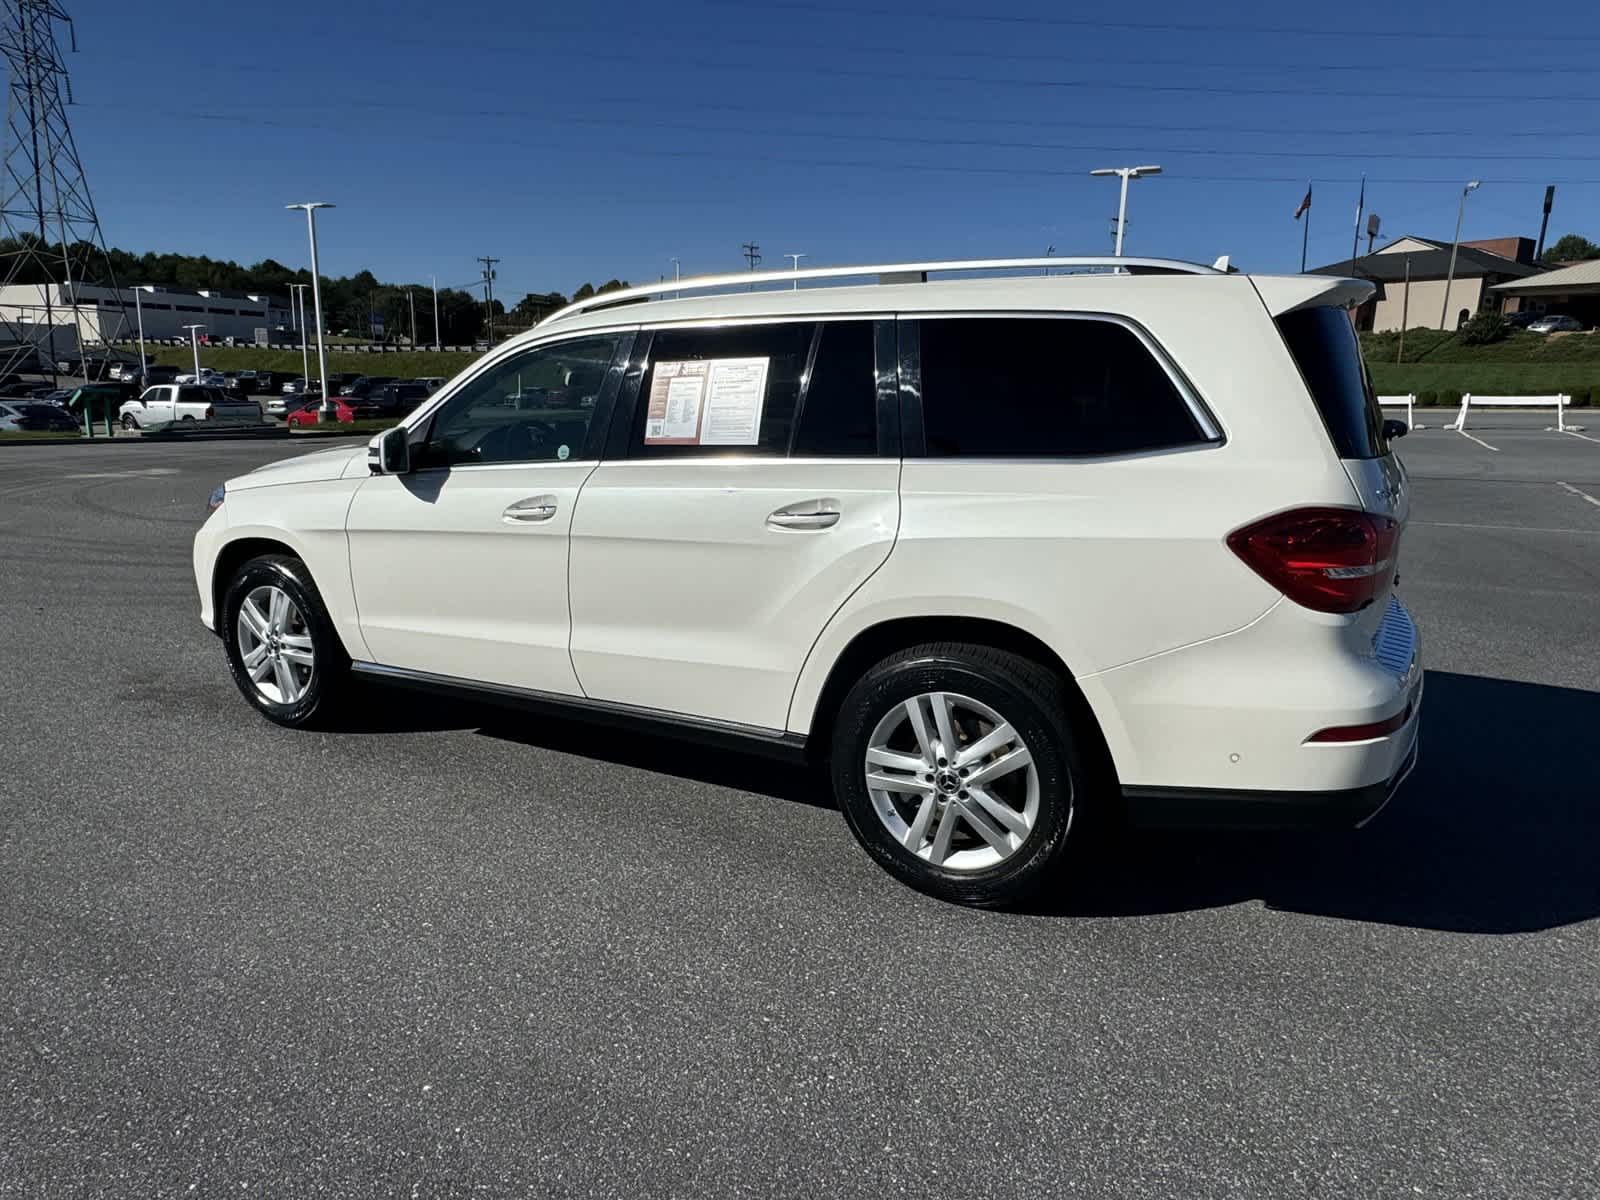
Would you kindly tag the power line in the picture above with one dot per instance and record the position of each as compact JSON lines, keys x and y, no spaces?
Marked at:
{"x":921,"y":54}
{"x":993,"y":18}
{"x":1477,"y":154}
{"x":920,"y":118}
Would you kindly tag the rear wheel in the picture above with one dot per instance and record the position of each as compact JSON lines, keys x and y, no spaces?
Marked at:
{"x":957,"y":770}
{"x":282,"y":649}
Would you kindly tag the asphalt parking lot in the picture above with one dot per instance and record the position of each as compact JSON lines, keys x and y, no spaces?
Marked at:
{"x":464,"y":952}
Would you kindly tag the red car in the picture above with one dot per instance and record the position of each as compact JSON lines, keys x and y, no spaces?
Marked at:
{"x":344,"y":411}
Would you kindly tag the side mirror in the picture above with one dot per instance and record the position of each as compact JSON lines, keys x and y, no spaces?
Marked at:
{"x":1395,"y":429}
{"x":394,"y":451}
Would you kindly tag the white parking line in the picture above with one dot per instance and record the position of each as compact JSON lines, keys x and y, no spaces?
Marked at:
{"x":1501,"y":528}
{"x":1579,"y":492}
{"x":1480,"y":441}
{"x":1584,"y":436}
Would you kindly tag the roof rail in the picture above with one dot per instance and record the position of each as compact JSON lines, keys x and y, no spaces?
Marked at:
{"x":703,"y":283}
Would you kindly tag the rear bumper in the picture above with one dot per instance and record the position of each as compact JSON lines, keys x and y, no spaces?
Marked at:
{"x":1205,"y":808}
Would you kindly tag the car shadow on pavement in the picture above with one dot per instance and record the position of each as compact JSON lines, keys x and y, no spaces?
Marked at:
{"x":1495,"y":832}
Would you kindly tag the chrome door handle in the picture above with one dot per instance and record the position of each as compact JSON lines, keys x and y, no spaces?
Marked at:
{"x":807,"y":514}
{"x":534,"y":508}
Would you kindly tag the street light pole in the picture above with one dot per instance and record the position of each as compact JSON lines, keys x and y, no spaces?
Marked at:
{"x":299,"y":290}
{"x":1126,"y":173}
{"x":677,"y":273}
{"x":138,"y":312}
{"x":438,"y":344}
{"x":328,"y":408}
{"x":194,"y":343}
{"x":795,"y":259}
{"x":1450,"y":276}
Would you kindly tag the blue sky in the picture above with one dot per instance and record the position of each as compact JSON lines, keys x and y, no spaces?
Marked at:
{"x":582,"y":143}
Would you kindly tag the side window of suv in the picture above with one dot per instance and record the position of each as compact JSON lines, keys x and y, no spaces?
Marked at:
{"x":1046,"y":388}
{"x":801,"y":387}
{"x":531,"y":407}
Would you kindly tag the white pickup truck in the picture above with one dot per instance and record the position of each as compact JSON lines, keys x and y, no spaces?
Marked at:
{"x":188,"y":402}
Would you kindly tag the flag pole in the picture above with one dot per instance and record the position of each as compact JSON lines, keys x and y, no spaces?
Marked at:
{"x":1305,"y":234}
{"x":1355,"y":241}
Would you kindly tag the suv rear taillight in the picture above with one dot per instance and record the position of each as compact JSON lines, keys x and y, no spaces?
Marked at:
{"x":211,"y":411}
{"x":1334,"y":560}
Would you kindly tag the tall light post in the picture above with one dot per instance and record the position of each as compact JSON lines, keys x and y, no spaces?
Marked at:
{"x":328,"y":408}
{"x":677,"y":273}
{"x":299,"y":290}
{"x":1126,"y":173}
{"x":138,"y":313}
{"x":1461,"y":211}
{"x":438,"y":343}
{"x":795,"y":260}
{"x":194,"y":343}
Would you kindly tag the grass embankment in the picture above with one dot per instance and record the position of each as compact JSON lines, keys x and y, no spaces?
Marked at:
{"x":407,"y":364}
{"x":1438,"y":367}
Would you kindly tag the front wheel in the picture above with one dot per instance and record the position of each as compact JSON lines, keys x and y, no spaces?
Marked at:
{"x":128,"y":422}
{"x":957,"y":770}
{"x":282,"y":648}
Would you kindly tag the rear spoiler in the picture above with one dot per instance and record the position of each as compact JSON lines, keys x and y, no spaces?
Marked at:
{"x":1289,"y":293}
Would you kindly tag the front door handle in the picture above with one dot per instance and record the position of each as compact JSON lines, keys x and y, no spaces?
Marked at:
{"x":529,"y":510}
{"x":807,"y":514}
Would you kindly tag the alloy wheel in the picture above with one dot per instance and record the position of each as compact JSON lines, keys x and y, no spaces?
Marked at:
{"x":952,"y":781}
{"x":275,"y":645}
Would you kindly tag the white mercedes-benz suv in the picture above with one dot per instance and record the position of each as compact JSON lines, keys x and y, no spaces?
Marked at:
{"x":1008,"y":553}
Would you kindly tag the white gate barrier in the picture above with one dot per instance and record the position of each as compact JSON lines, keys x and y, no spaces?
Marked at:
{"x":1408,"y":402}
{"x":1558,"y":402}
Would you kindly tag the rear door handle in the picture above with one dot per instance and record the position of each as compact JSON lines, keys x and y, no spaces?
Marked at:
{"x":530,"y":510}
{"x":807,"y":514}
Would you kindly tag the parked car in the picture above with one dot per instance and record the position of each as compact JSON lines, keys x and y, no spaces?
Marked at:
{"x":299,"y":386}
{"x":1555,"y":323}
{"x":188,"y":402}
{"x":396,"y":399}
{"x":206,"y":378}
{"x":1522,"y":318}
{"x":432,"y":382}
{"x":1007,"y":555}
{"x":345,"y":410}
{"x":17,"y":415}
{"x":266,"y":382}
{"x":362,"y":385}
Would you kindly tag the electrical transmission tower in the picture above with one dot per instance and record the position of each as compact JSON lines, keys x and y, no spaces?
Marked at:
{"x":49,"y":231}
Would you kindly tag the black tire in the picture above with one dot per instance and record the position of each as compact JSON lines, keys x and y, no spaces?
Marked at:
{"x":1035,"y":701}
{"x":188,"y":416}
{"x":330,"y":673}
{"x":128,"y":422}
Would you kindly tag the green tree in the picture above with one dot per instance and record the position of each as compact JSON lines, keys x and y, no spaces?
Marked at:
{"x":1572,"y":247}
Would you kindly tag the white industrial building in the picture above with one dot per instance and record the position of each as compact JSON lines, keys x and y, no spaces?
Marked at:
{"x":107,"y":314}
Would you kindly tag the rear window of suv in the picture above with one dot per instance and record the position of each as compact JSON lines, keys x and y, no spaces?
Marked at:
{"x":1040,"y":387}
{"x":1325,"y":348}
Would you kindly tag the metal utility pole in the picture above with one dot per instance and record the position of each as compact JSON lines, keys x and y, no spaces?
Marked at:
{"x":48,"y":224}
{"x":677,"y":273}
{"x":1450,"y":276}
{"x":328,"y":408}
{"x":488,"y":293}
{"x":194,"y":343}
{"x":1405,"y":312}
{"x":294,"y":314}
{"x":1544,"y":223}
{"x":138,"y":312}
{"x":795,"y":260}
{"x":437,"y":343}
{"x":1126,"y":173}
{"x":752,"y":254}
{"x":412,"y":301}
{"x":299,"y":290}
